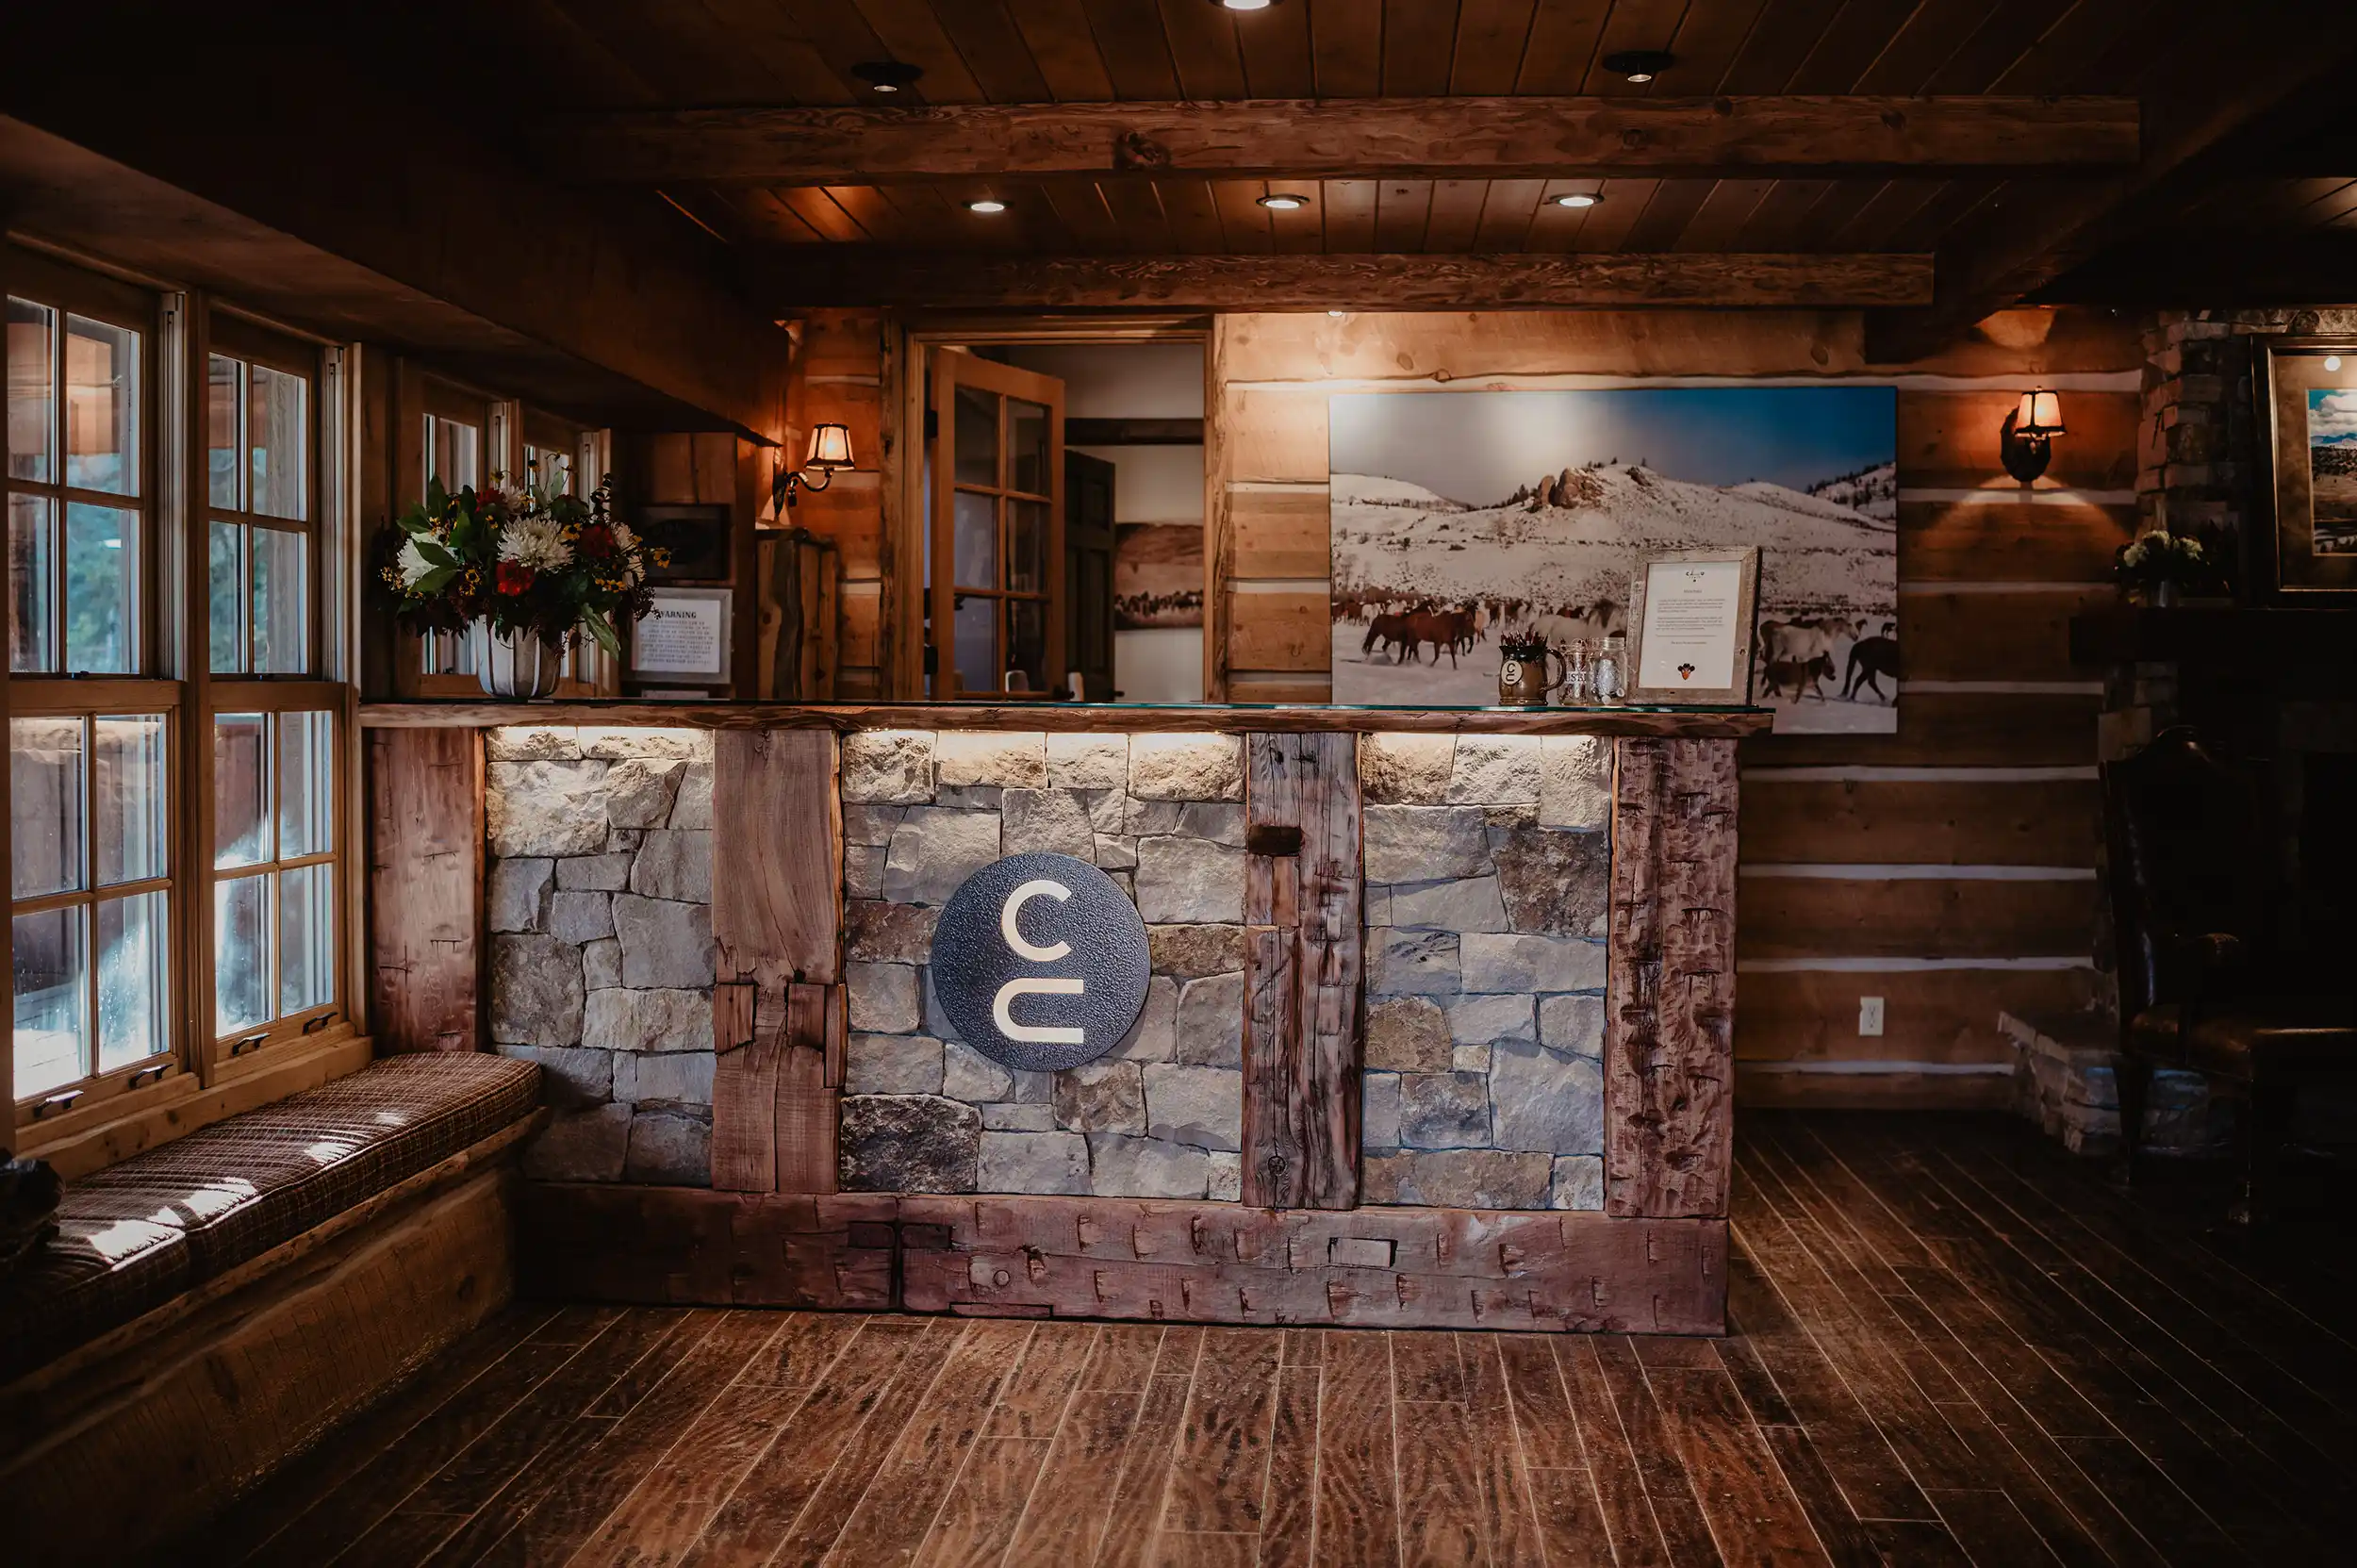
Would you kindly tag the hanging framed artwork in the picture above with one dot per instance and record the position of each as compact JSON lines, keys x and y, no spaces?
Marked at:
{"x":2304,"y":544}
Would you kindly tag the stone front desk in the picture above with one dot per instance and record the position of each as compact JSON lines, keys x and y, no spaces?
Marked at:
{"x":1495,"y":1012}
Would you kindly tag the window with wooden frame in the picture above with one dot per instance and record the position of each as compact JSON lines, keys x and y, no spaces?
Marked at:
{"x":95,"y":910}
{"x":262,"y":545}
{"x":460,"y":434}
{"x":995,"y":556}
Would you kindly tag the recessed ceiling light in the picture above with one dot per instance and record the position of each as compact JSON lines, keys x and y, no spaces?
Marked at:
{"x":1281,"y":201}
{"x":1244,"y":5}
{"x":1337,"y":313}
{"x":986,"y":205}
{"x":1578,"y":198}
{"x":888,"y":76}
{"x":2331,"y":361}
{"x":1640,"y":65}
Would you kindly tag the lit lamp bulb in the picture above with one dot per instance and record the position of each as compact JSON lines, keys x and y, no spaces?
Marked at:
{"x":829,"y":450}
{"x":2026,"y":441}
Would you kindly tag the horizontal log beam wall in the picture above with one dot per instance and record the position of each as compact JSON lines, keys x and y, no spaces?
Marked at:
{"x":1331,"y":139}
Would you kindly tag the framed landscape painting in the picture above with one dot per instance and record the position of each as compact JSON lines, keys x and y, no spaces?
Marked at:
{"x":1459,"y":518}
{"x":2307,"y":396}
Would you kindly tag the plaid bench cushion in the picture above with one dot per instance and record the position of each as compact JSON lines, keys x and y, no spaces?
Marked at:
{"x":132,"y":1236}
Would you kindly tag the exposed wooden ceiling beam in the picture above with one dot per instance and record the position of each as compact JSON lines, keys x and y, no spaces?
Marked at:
{"x":1437,"y":138}
{"x":853,"y":276}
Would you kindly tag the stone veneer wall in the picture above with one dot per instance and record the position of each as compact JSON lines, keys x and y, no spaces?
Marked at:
{"x":1488,"y":894}
{"x":1162,"y":1115}
{"x":600,"y":894}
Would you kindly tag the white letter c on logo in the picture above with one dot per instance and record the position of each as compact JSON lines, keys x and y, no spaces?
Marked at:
{"x":1039,"y":887}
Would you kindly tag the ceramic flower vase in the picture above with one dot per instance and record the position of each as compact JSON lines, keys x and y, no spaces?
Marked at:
{"x":515,"y":664}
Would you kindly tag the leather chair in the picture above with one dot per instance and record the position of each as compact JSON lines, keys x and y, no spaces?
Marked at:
{"x":2204,"y":982}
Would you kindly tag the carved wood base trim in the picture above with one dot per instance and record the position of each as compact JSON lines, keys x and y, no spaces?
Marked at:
{"x":1127,"y":1258}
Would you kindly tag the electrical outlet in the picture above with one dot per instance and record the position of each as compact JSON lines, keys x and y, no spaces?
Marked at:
{"x":1870,"y":1016}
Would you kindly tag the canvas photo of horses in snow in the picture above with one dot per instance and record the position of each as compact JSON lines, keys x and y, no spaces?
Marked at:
{"x":1459,"y":518}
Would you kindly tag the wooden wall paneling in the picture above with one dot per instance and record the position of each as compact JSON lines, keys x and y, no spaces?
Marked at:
{"x":1275,"y":432}
{"x":1953,"y":729}
{"x":428,"y":949}
{"x":1415,"y":346}
{"x":1807,"y":918}
{"x":1287,"y":629}
{"x":1950,"y":440}
{"x":1282,"y":533}
{"x":610,"y":1242}
{"x":1980,"y":542}
{"x":1302,"y":957}
{"x":1932,"y":1015}
{"x":1670,"y":1014}
{"x":1918,"y":822}
{"x":1958,"y":636}
{"x":1280,"y":689}
{"x":1219,"y":526}
{"x":776,"y":926}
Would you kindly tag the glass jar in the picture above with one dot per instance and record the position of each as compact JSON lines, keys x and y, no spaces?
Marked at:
{"x":1579,"y":673}
{"x":1611,"y":671}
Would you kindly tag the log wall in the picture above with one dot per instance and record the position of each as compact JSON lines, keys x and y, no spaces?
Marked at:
{"x":1947,"y":868}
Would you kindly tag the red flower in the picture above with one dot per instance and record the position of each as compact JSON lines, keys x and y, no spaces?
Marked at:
{"x":596,"y":540}
{"x":513,"y":577}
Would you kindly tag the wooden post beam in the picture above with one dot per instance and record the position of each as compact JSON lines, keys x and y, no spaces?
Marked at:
{"x":1348,"y":139}
{"x":855,"y":275}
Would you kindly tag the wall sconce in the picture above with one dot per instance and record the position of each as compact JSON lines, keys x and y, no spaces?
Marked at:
{"x":829,"y":450}
{"x":2026,"y":443}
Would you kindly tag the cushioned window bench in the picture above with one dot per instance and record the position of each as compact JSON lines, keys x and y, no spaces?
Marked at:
{"x":210,"y":1307}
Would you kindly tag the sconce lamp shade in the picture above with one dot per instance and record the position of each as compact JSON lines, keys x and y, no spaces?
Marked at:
{"x":2039,"y":416}
{"x":831,"y":447}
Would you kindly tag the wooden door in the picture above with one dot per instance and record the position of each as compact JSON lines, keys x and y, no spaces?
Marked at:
{"x":1088,"y":572}
{"x":996,"y":566}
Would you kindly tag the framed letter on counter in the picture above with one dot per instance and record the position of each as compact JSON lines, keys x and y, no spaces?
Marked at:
{"x":685,"y":635}
{"x":1693,"y":612}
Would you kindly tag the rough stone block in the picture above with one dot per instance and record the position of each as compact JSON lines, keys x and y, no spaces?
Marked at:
{"x":1413,"y":844}
{"x":1495,"y":770}
{"x":531,"y":743}
{"x":1186,"y":767}
{"x":569,"y":1077}
{"x":1032,"y":1163}
{"x":1574,"y":782}
{"x":1088,"y":762}
{"x":1545,"y":1102}
{"x":1494,"y":963}
{"x":1194,"y":951}
{"x":908,"y":1143}
{"x":934,"y":850}
{"x":888,"y":767}
{"x":1116,"y":851}
{"x":581,"y":917}
{"x":891,"y":1064}
{"x":1155,"y":1036}
{"x":670,"y":1150}
{"x":1009,"y":759}
{"x":1033,"y":1088}
{"x":1456,"y":1178}
{"x":1470,"y":903}
{"x":536,"y":991}
{"x":1211,"y":1021}
{"x":1556,"y":881}
{"x":634,"y":740}
{"x":674,"y":865}
{"x":545,"y":808}
{"x":1469,"y":1059}
{"x":1577,"y":1182}
{"x":1103,"y":1096}
{"x":691,"y":807}
{"x":1574,"y":1024}
{"x":1406,"y":770}
{"x":1412,"y":963}
{"x":515,"y":894}
{"x":1408,"y":1034}
{"x":870,"y":824}
{"x":602,"y":964}
{"x":1046,"y":821}
{"x":638,"y":793}
{"x":1146,"y":817}
{"x":889,"y":933}
{"x":1218,"y":821}
{"x":863,"y":870}
{"x":1481,"y":1020}
{"x":1379,"y":1112}
{"x":1226,"y":1178}
{"x":625,"y":839}
{"x":1107,"y":808}
{"x":1447,"y":1110}
{"x":1189,"y":880}
{"x":1147,"y":1167}
{"x":600,"y":873}
{"x":663,"y":944}
{"x":678,"y":1078}
{"x":969,"y":797}
{"x":1018,"y":1119}
{"x":1202,"y":1106}
{"x":881,"y":998}
{"x":582,"y":1146}
{"x":648,"y":1020}
{"x":968,"y":1074}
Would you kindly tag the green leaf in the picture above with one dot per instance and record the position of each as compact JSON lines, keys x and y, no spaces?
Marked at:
{"x":437,"y":498}
{"x":436,"y":553}
{"x":434,"y":580}
{"x":603,"y":630}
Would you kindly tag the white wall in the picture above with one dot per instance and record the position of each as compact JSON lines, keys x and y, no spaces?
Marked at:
{"x":1118,"y":381}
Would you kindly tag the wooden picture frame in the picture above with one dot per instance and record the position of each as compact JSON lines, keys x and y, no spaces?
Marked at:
{"x":1725,"y":576}
{"x":697,"y":536}
{"x":2291,"y":380}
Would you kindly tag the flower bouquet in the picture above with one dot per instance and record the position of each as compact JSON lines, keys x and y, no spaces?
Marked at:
{"x":2160,"y":565}
{"x":521,"y":569}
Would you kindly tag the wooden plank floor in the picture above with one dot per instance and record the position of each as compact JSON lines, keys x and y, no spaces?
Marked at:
{"x":1953,"y":1345}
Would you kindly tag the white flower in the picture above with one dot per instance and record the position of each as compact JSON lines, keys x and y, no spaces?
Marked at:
{"x":2135,"y":553}
{"x":515,"y":497}
{"x":413,"y":564}
{"x":626,"y":542}
{"x":535,"y":542}
{"x":625,"y":536}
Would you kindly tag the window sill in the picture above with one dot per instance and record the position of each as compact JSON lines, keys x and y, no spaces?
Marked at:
{"x":78,"y":1143}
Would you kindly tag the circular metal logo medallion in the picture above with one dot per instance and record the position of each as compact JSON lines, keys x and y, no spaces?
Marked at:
{"x":1040,"y":961}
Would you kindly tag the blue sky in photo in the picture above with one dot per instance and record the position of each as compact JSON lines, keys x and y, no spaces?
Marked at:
{"x":2332,"y":416}
{"x":1478,"y":447}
